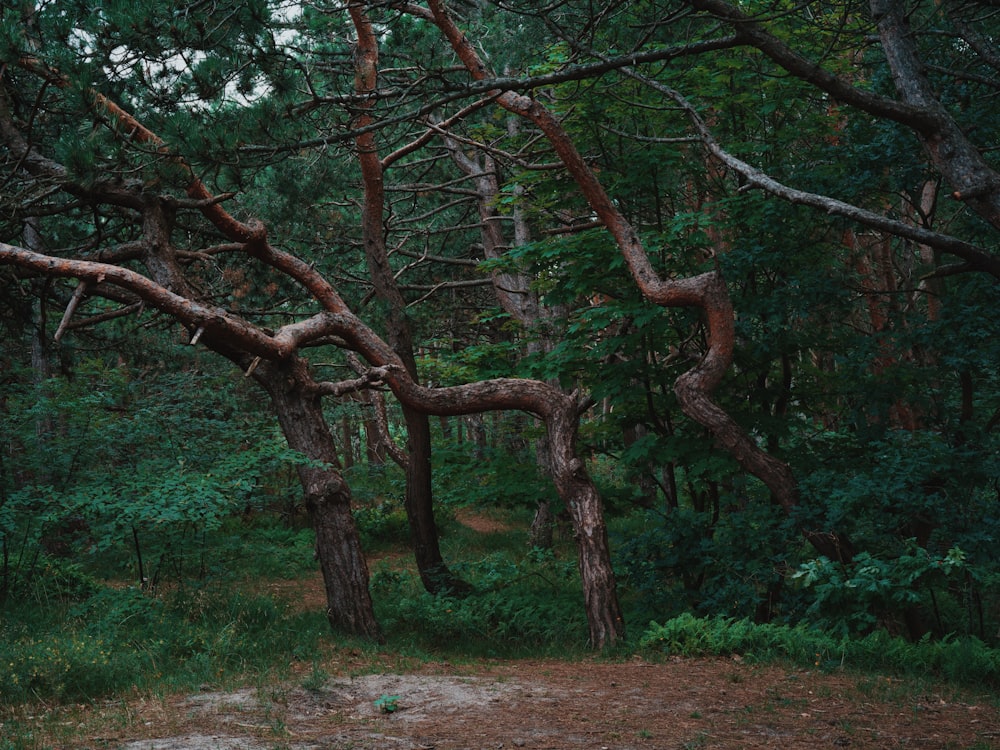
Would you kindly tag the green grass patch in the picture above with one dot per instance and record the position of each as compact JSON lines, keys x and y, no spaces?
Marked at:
{"x":121,"y":639}
{"x":965,"y":661}
{"x":523,"y":603}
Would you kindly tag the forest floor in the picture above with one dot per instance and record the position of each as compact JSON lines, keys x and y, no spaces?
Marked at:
{"x":677,"y":703}
{"x":352,"y":699}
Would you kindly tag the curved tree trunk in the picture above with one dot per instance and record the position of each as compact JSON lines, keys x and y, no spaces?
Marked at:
{"x":707,"y":291}
{"x":327,"y":498}
{"x":560,"y":413}
{"x":583,"y":501}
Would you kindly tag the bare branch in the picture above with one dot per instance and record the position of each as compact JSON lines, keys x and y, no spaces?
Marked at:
{"x":977,"y":256}
{"x":74,"y":301}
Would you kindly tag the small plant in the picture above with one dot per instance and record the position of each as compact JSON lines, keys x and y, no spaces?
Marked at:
{"x":699,"y":741}
{"x":316,"y":680}
{"x":387,"y":704}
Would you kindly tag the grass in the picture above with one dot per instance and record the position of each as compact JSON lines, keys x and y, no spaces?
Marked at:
{"x":523,"y":602}
{"x":94,"y":643}
{"x":963,"y":661}
{"x":124,"y":640}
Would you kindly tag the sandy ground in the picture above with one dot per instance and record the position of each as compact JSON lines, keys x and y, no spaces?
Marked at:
{"x":682,"y":703}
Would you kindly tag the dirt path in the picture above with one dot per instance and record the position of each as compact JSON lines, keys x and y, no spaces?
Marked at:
{"x":690,"y":703}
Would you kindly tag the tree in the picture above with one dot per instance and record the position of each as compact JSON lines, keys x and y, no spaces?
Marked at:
{"x":148,"y":217}
{"x":832,"y":72}
{"x":784,"y":191}
{"x":419,"y":504}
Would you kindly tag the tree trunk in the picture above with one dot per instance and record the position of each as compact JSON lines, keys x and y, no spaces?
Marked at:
{"x":604,"y":616}
{"x":376,"y":449}
{"x":434,"y":574}
{"x":348,"y":431}
{"x":542,"y":526}
{"x":328,"y":500}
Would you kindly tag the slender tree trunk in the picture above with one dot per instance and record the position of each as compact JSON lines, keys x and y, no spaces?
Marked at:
{"x":41,"y":368}
{"x":376,"y":449}
{"x":434,"y":574}
{"x":327,"y":498}
{"x":543,"y":523}
{"x":348,"y":430}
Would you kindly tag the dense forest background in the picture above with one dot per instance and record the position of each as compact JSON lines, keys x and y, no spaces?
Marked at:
{"x":708,"y":290}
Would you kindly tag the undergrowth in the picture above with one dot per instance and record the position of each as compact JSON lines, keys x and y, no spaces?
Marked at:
{"x":529,"y":605}
{"x":966,"y":660}
{"x":121,"y":640}
{"x":72,"y":637}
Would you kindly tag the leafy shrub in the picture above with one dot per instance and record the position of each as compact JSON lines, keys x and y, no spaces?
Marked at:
{"x":964,"y":660}
{"x":131,"y":477}
{"x":381,"y":524}
{"x":264,"y":549}
{"x":686,"y":561}
{"x":853,"y":599}
{"x":687,"y":635}
{"x":501,"y":476}
{"x":50,"y":579}
{"x":497,"y":622}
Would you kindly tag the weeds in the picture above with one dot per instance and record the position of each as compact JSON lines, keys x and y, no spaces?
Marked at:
{"x":317,"y":679}
{"x":528,"y":606}
{"x":123,"y":639}
{"x":964,"y":661}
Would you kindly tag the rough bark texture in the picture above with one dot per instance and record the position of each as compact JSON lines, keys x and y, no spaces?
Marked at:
{"x":327,"y":498}
{"x":560,"y":413}
{"x":583,"y":502}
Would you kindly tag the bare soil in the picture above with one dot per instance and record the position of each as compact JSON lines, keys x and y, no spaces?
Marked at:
{"x":680,"y":703}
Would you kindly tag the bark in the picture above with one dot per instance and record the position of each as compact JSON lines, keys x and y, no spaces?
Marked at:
{"x":348,"y":436}
{"x":327,"y":498}
{"x":540,"y":534}
{"x":434,"y":573}
{"x":585,"y":508}
{"x":707,"y":292}
{"x":300,"y":415}
{"x":560,"y":413}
